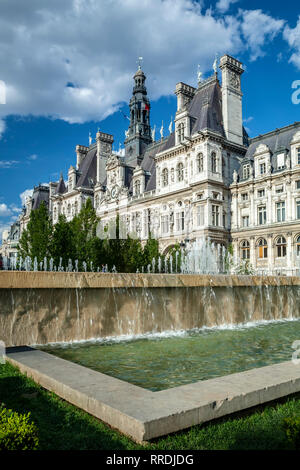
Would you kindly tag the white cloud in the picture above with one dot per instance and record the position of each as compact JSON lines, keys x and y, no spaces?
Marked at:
{"x":4,"y":210}
{"x":8,"y":163}
{"x":224,"y":5}
{"x":249,"y":119}
{"x":75,"y":59}
{"x":24,"y":194}
{"x":32,"y":157}
{"x":258,"y":29}
{"x":2,"y":127}
{"x":292,"y":36}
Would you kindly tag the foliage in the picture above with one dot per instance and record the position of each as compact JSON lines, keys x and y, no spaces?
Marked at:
{"x":83,"y":227}
{"x":62,"y":242}
{"x":292,"y":430}
{"x":17,"y":432}
{"x":245,"y":267}
{"x":36,"y":238}
{"x":79,"y":240}
{"x":151,"y":250}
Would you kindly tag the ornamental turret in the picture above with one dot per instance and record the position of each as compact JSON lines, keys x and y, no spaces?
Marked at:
{"x":138,"y":135}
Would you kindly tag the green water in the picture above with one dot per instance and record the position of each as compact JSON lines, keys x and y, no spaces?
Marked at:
{"x":157,"y":363}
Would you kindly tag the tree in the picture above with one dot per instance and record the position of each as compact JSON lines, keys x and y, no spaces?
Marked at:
{"x":83,"y":227}
{"x":36,"y":239}
{"x":151,"y":250}
{"x":62,"y":245}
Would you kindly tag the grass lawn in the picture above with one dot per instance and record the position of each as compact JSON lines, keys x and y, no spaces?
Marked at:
{"x":64,"y":427}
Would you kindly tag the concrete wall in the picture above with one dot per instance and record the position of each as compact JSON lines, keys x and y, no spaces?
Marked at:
{"x":43,"y":307}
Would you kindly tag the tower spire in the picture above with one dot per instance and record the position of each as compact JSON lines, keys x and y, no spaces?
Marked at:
{"x":139,"y":131}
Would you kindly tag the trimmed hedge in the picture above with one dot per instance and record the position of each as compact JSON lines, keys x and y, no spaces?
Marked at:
{"x":17,"y":432}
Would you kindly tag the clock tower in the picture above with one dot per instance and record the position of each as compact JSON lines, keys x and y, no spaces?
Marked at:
{"x":138,"y":136}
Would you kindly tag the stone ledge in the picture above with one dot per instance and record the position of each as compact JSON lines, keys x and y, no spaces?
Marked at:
{"x":144,"y":415}
{"x":64,"y":280}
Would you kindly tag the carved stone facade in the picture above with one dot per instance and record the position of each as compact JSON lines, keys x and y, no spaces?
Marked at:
{"x":266,"y":202}
{"x":205,"y":179}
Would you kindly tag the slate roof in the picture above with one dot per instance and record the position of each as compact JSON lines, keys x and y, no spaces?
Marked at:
{"x":148,"y":163}
{"x":61,"y":187}
{"x":40,"y":194}
{"x":206,"y":107}
{"x":88,"y":169}
{"x":278,"y":141}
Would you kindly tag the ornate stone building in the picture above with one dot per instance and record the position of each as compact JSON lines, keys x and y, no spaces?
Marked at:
{"x":265,"y":193}
{"x":205,"y":179}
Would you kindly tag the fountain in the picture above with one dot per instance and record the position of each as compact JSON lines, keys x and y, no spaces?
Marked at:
{"x":209,"y":288}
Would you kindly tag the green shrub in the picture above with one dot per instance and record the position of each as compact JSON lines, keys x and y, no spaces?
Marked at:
{"x":16,"y":431}
{"x":292,"y":430}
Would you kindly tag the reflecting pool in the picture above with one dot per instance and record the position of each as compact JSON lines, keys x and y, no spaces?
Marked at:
{"x":170,"y":359}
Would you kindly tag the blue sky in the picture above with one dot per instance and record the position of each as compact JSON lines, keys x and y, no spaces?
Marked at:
{"x":93,"y":46}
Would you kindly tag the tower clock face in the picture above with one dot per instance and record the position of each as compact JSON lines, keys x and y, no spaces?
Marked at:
{"x":114,"y":192}
{"x":234,"y":80}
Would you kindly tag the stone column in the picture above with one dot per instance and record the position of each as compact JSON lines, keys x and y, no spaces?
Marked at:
{"x":252,"y":221}
{"x":252,"y":252}
{"x":270,"y":252}
{"x":289,"y":253}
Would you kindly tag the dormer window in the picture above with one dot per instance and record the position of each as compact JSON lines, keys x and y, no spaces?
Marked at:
{"x":262,"y":168}
{"x":246,"y":171}
{"x":180,"y":131}
{"x":137,"y":187}
{"x":280,"y":161}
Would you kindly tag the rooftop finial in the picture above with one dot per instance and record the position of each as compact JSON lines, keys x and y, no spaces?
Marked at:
{"x":171,"y":125}
{"x":215,"y":64}
{"x":139,"y":62}
{"x":153,"y":133}
{"x":162,"y":130}
{"x":199,"y":75}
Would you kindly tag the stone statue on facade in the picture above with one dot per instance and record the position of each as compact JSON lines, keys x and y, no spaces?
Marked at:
{"x":199,"y":75}
{"x":162,"y":130}
{"x":153,"y":133}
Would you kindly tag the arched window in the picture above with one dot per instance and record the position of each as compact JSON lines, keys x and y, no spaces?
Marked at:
{"x":200,"y":165}
{"x":298,"y":246}
{"x":245,"y":249}
{"x":281,"y":247}
{"x":262,"y":248}
{"x":214,"y":162}
{"x":180,"y":171}
{"x":55,"y":213}
{"x":172,"y":175}
{"x":165,"y":177}
{"x":180,"y":131}
{"x":69,"y":209}
{"x":76,"y":207}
